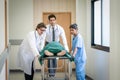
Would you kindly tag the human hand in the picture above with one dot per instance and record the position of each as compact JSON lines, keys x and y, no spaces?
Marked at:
{"x":38,"y":56}
{"x":73,"y":55}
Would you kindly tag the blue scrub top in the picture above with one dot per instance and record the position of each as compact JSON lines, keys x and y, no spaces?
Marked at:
{"x":78,"y":43}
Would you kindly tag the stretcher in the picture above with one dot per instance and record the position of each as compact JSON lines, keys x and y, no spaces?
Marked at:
{"x":66,"y":64}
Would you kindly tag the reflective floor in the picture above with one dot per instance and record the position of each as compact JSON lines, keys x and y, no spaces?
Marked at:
{"x":18,"y":75}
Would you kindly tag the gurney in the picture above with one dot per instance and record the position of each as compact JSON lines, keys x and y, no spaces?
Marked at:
{"x":66,"y":59}
{"x":65,"y":75}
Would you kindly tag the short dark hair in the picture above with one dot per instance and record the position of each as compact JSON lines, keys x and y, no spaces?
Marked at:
{"x":74,"y":26}
{"x":51,"y":16}
{"x":41,"y":25}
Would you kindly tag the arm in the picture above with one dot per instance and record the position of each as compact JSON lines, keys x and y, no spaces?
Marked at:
{"x":32,"y":44}
{"x":74,"y":52}
{"x":77,"y":45}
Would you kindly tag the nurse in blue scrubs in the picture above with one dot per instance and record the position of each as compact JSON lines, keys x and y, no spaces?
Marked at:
{"x":78,"y":52}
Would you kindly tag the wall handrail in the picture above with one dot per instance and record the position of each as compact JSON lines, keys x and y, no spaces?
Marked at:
{"x":3,"y":57}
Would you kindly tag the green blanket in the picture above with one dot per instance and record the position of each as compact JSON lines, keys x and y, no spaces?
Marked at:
{"x":54,"y":47}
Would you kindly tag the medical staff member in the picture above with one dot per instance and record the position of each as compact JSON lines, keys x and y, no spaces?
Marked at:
{"x":53,"y":33}
{"x":29,"y":50}
{"x":79,"y":53}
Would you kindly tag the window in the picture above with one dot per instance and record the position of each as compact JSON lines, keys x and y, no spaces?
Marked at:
{"x":100,"y":24}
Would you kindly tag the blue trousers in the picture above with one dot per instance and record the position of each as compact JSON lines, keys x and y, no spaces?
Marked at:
{"x":52,"y":64}
{"x":80,"y":70}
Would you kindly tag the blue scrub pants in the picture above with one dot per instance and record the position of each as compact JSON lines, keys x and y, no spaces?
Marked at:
{"x":80,"y":70}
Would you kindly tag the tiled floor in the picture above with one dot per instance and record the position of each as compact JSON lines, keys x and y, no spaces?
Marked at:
{"x":20,"y":76}
{"x":37,"y":76}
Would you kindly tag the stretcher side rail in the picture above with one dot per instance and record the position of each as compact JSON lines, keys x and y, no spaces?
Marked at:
{"x":57,"y":57}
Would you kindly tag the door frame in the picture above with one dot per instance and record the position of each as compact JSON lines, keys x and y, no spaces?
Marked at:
{"x":6,"y":38}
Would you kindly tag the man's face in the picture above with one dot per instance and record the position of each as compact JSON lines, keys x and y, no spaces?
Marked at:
{"x":52,"y":21}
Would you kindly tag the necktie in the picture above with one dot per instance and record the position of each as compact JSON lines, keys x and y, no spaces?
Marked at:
{"x":53,"y":34}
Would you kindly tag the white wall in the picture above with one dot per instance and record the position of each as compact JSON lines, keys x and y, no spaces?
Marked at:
{"x":115,"y":40}
{"x":2,"y":36}
{"x":81,"y":17}
{"x":20,"y":23}
{"x":21,"y":18}
{"x":41,"y":6}
{"x":2,"y":26}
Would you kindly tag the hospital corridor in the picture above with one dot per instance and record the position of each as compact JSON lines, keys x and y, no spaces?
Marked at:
{"x":59,"y":40}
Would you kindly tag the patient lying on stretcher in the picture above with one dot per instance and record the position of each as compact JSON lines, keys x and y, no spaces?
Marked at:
{"x":54,"y":49}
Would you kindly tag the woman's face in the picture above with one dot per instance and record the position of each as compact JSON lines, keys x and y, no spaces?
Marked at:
{"x":73,"y":31}
{"x":41,"y":30}
{"x":52,"y":21}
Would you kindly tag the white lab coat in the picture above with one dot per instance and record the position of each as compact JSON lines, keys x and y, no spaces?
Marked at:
{"x":59,"y":31}
{"x":29,"y":49}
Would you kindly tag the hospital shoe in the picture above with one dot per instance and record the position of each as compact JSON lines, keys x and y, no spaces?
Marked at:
{"x":51,"y":78}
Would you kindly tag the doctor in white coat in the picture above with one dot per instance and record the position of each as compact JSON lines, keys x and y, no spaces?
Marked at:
{"x":53,"y":33}
{"x":29,"y":50}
